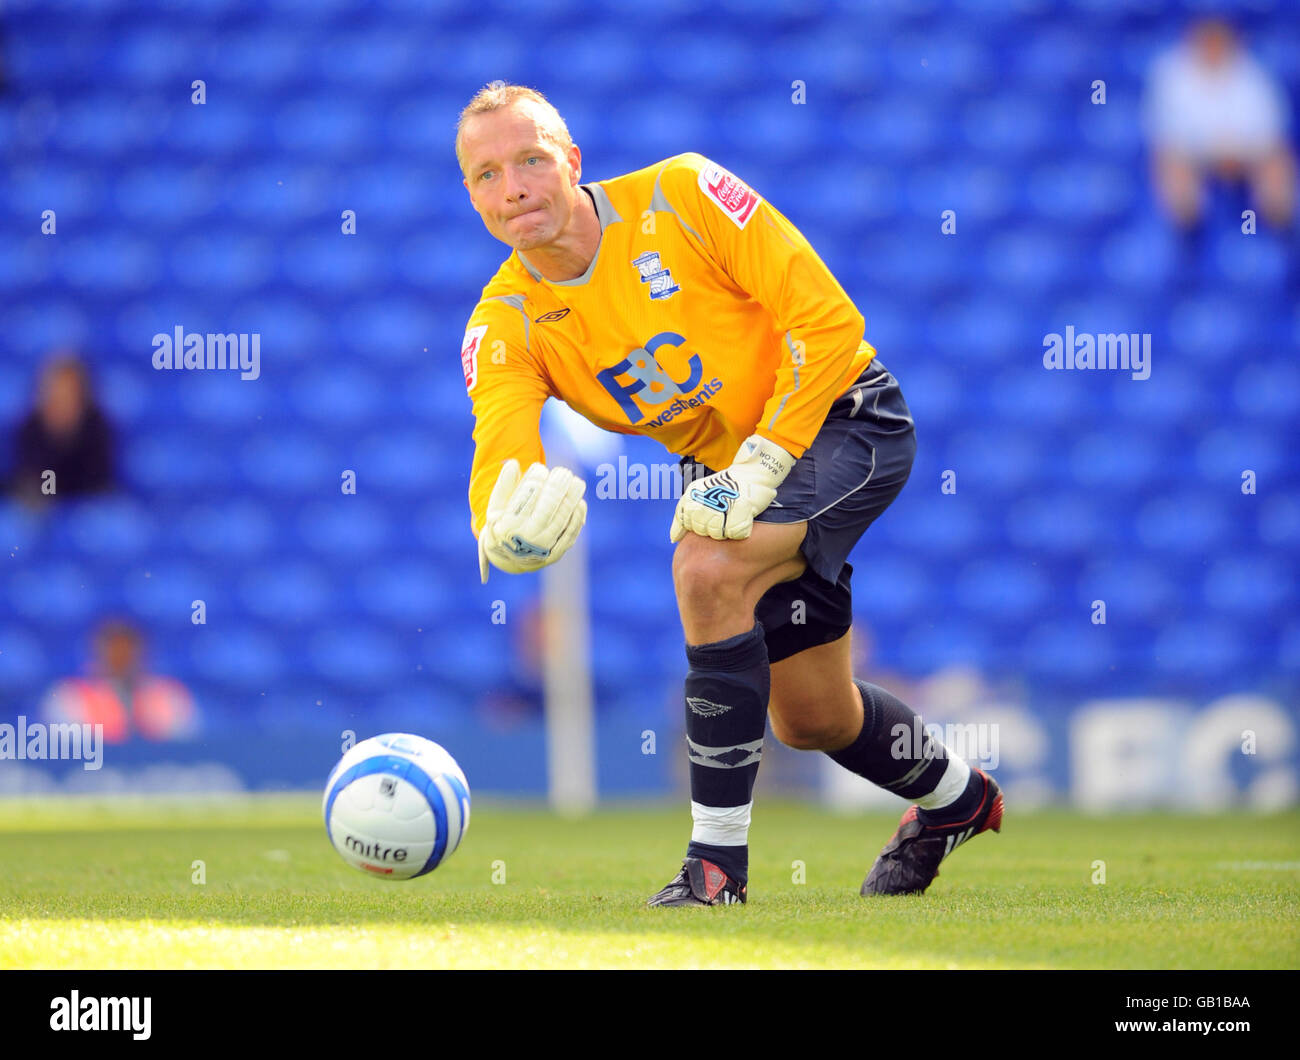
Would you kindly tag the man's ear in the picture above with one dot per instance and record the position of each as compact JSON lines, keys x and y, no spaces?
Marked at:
{"x":575,"y":163}
{"x":471,"y":196}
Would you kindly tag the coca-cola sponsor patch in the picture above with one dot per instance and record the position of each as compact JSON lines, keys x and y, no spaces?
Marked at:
{"x":736,"y":198}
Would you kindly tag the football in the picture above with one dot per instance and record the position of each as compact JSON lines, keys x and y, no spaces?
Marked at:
{"x":396,"y":805}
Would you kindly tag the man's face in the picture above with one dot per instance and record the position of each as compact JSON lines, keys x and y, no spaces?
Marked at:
{"x":119,"y":654}
{"x":521,"y":184}
{"x":1215,"y":42}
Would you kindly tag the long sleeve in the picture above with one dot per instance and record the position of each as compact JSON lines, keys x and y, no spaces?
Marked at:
{"x":507,"y":388}
{"x":770,"y":260}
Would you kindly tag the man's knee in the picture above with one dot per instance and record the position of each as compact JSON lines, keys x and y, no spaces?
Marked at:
{"x":705,"y":576}
{"x":804,"y":729}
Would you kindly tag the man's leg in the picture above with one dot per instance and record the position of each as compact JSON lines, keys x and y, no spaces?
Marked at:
{"x":718,"y":585}
{"x":817,"y":705}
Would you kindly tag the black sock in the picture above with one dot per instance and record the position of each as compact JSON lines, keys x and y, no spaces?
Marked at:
{"x":734,"y":861}
{"x":726,"y":715}
{"x":893,"y":750}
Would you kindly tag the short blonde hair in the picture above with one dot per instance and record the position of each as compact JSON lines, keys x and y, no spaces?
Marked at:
{"x":498,"y":94}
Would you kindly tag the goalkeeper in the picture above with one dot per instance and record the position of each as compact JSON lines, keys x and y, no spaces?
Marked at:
{"x":675,"y":301}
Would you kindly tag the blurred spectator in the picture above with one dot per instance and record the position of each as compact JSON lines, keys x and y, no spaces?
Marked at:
{"x":1211,"y":110}
{"x":120,"y":695}
{"x":65,"y":433}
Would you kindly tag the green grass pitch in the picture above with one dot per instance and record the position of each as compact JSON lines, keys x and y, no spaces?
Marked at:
{"x":97,"y":884}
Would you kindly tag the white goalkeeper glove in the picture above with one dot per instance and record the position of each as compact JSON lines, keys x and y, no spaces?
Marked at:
{"x":723,"y":505}
{"x":531,"y":521}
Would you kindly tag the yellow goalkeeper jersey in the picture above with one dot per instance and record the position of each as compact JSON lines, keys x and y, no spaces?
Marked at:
{"x":704,"y":317}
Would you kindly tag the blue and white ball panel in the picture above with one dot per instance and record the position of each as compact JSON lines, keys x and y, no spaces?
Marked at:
{"x":396,"y":805}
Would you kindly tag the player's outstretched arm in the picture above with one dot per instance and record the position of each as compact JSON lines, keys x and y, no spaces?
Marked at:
{"x":723,"y":505}
{"x":531,"y":521}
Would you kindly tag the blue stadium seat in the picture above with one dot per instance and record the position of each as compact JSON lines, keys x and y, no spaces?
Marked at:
{"x":290,"y":592}
{"x":289,"y":464}
{"x":397,"y":461}
{"x":296,"y":330}
{"x":1053,"y":57}
{"x":1066,"y":650}
{"x":167,"y":463}
{"x":442,"y":526}
{"x":342,"y":394}
{"x":1050,"y":400}
{"x":1253,"y":264}
{"x":928,"y":646}
{"x":245,"y":658}
{"x":357,"y":656}
{"x":1028,"y":258}
{"x":979,"y":330}
{"x":99,"y":126}
{"x":1222,"y":454}
{"x":891,"y":592}
{"x":1268,"y":390}
{"x":404,"y":590}
{"x":1251,"y":588}
{"x":1117,"y":460}
{"x":110,"y":528}
{"x":1288,"y":651}
{"x":165,"y":592}
{"x":1136,"y":589}
{"x":1174,"y":398}
{"x":47,"y":323}
{"x":395,"y":330}
{"x":900,"y":128}
{"x":211,"y":260}
{"x":988,"y":462}
{"x":355,"y":526}
{"x":1206,"y":327}
{"x":1204,"y":648}
{"x":947,"y":526}
{"x":1279,"y":519}
{"x":323,"y":125}
{"x":16,"y":389}
{"x":165,"y":193}
{"x":332,"y":262}
{"x":444,"y":651}
{"x":976,"y":192}
{"x":269,"y":59}
{"x":21,"y":530}
{"x":228,"y":528}
{"x":24,"y":667}
{"x":1006,"y":590}
{"x":1185,"y":523}
{"x":1080,"y":194}
{"x":1005,"y":127}
{"x":1055,"y":521}
{"x":54,"y":593}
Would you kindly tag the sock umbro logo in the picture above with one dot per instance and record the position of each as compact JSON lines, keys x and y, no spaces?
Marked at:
{"x":706,"y":708}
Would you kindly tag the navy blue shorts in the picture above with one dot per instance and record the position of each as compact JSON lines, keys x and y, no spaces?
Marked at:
{"x":852,"y":472}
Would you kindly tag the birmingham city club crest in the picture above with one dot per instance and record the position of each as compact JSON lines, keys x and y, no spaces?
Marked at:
{"x":653,"y":273}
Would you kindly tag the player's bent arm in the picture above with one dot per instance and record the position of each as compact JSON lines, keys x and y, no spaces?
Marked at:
{"x":523,"y":521}
{"x":769,"y":258}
